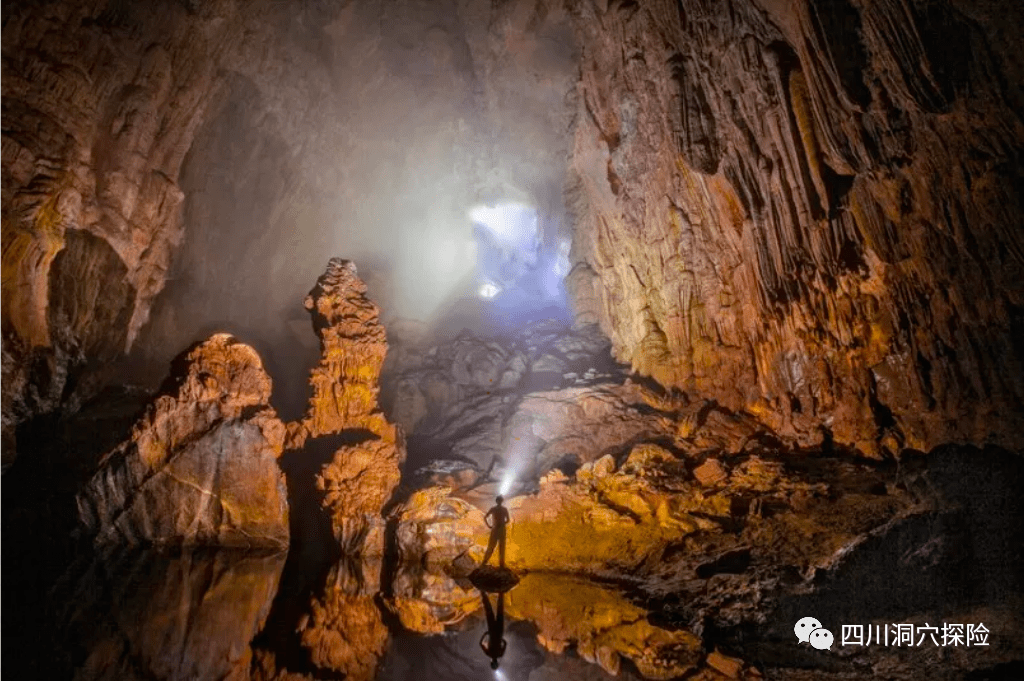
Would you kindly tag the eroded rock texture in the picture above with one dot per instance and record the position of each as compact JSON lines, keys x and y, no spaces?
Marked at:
{"x":338,"y":632}
{"x":100,"y":105}
{"x":359,"y":481}
{"x":810,"y":210}
{"x":602,"y":626}
{"x":200,"y":467}
{"x":548,"y":396}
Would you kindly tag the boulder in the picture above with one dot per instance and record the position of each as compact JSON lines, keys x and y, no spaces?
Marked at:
{"x":200,"y":467}
{"x":493,"y":579}
{"x":434,"y":527}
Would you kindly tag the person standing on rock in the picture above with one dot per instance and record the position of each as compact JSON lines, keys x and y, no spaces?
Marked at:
{"x":500,"y":515}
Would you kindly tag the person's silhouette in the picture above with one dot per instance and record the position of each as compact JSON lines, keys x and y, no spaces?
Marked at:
{"x":493,"y":641}
{"x":500,"y":515}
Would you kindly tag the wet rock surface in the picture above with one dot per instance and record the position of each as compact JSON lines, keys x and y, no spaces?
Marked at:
{"x":200,"y":467}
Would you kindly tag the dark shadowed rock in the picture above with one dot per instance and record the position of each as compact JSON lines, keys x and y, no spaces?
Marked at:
{"x":493,"y":579}
{"x":188,"y":616}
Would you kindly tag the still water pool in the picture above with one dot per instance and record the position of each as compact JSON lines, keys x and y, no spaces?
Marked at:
{"x":235,"y":615}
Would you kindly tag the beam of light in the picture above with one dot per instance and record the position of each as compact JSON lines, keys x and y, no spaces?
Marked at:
{"x":500,"y":675}
{"x":488,"y":290}
{"x":507,"y":481}
{"x":511,"y":225}
{"x":516,"y":460}
{"x":561,"y":266}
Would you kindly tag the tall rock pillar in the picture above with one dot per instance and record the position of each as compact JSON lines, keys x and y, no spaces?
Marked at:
{"x":364,"y":472}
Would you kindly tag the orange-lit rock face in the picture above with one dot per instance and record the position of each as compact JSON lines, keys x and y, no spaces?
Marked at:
{"x":340,"y":632}
{"x":362,"y":476}
{"x":435,"y":527}
{"x":92,"y":147}
{"x":345,"y":634}
{"x":201,"y":464}
{"x":656,"y":515}
{"x":810,"y":210}
{"x":427,"y":600}
{"x":353,"y":346}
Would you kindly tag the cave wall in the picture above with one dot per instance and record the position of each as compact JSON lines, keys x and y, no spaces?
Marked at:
{"x":809,"y":210}
{"x":366,"y":130}
{"x":100,"y":104}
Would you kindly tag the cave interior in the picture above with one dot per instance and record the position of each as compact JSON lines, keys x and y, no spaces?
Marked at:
{"x":724,"y":300}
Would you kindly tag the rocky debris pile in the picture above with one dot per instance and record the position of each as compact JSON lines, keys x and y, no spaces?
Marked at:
{"x":426,"y":383}
{"x":364,"y":471}
{"x":678,"y":521}
{"x":200,"y":467}
{"x":550,"y":397}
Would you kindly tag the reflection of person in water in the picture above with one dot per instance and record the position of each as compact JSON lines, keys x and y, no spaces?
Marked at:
{"x":500,"y":515}
{"x":494,"y":647}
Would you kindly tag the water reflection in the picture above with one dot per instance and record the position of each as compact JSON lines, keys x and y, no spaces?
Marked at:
{"x":493,"y":641}
{"x":209,"y":615}
{"x":147,"y":615}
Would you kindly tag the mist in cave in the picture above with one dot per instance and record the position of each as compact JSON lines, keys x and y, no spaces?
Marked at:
{"x":722,"y":299}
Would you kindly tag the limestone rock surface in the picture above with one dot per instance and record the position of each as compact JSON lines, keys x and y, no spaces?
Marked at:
{"x":602,"y":626}
{"x":550,"y":395}
{"x":810,"y":210}
{"x":200,"y":467}
{"x":100,"y":107}
{"x":434,"y":527}
{"x":359,"y":480}
{"x":339,"y":631}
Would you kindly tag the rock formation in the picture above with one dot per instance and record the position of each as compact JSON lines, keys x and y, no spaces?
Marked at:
{"x":339,"y":630}
{"x":809,"y":210}
{"x":201,"y":466}
{"x":359,"y":481}
{"x":657,"y":514}
{"x":93,"y":144}
{"x":238,"y":130}
{"x":548,"y":396}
